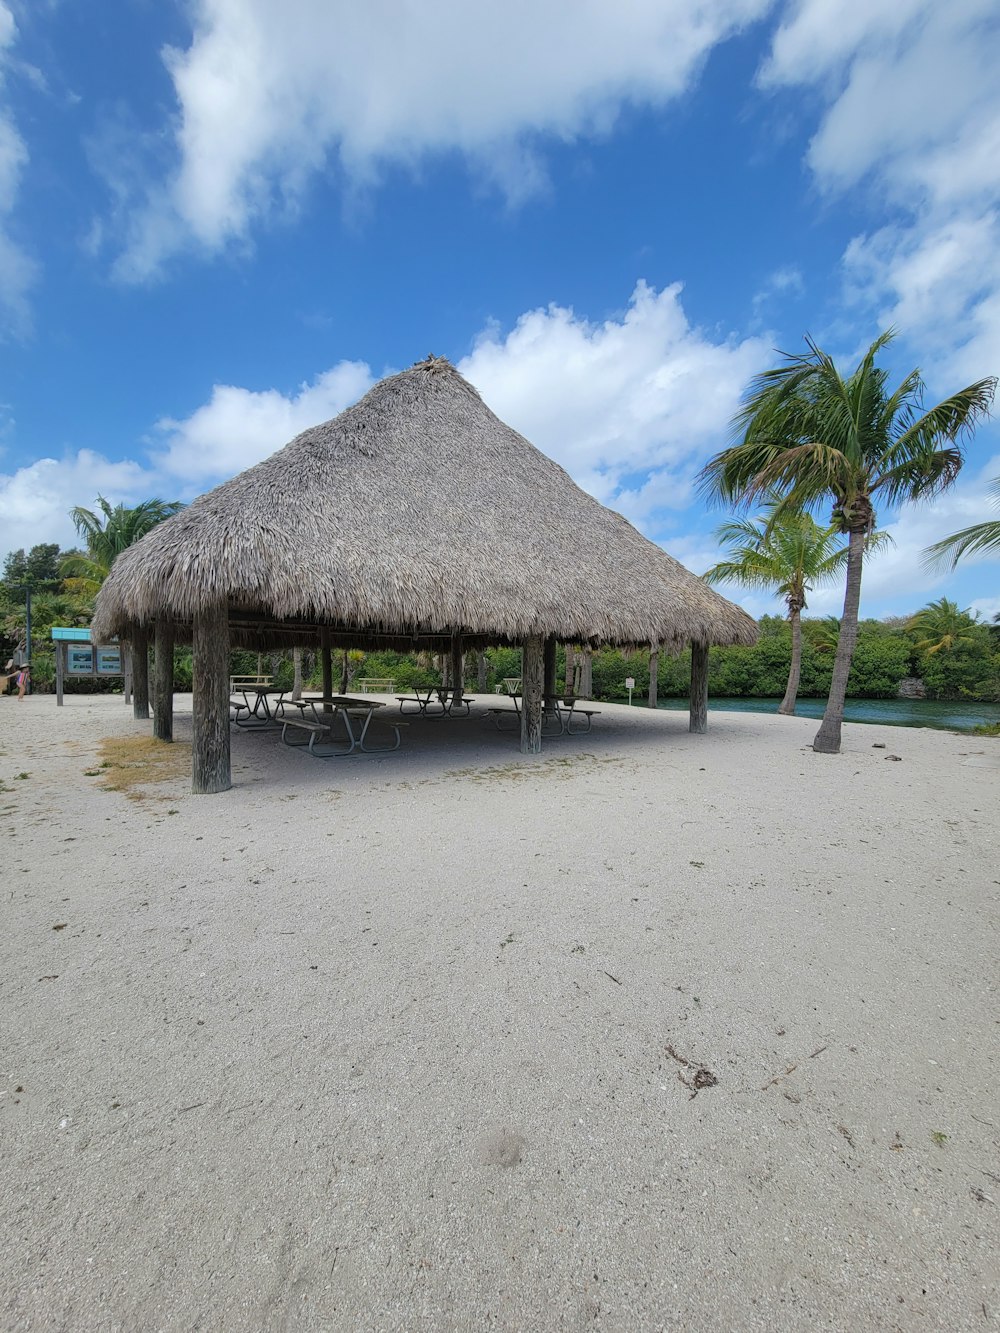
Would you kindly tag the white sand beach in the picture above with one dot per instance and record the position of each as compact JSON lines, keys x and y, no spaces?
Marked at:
{"x":652,"y":1031}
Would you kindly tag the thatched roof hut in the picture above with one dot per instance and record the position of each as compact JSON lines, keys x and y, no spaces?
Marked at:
{"x":413,"y":517}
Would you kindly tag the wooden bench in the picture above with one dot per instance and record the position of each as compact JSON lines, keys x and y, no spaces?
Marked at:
{"x":375,"y":684}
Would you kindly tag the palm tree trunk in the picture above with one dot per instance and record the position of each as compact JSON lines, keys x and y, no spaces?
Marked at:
{"x":787,"y":705}
{"x":586,"y":689}
{"x":549,"y":672}
{"x":296,"y":673}
{"x":457,"y":667}
{"x":827,"y":739}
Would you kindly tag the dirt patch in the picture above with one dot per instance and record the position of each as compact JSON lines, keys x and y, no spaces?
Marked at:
{"x":128,"y":763}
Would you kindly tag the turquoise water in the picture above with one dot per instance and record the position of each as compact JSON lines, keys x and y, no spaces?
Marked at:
{"x":946,"y":716}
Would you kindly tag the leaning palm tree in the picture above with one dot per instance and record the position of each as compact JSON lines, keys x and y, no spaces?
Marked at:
{"x":811,"y":435}
{"x":942,"y":627}
{"x":787,"y":554}
{"x":980,"y":537}
{"x":106,"y":535}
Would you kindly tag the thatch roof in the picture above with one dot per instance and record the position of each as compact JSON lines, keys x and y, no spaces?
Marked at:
{"x":413,"y":513}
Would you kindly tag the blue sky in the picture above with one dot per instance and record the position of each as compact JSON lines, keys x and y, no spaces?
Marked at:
{"x":222,"y":221}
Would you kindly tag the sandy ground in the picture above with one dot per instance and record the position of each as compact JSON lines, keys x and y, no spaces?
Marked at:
{"x":411,"y":1042}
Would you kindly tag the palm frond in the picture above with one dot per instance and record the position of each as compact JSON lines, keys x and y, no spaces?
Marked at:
{"x":968,"y":541}
{"x":952,"y":419}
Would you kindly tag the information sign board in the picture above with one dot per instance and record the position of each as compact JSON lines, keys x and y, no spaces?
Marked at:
{"x":109,"y":662}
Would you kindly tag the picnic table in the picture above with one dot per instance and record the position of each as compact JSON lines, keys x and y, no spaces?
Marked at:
{"x":563,"y":716}
{"x":433,"y":701}
{"x":258,"y":714}
{"x":317,"y":716}
{"x":374,"y":684}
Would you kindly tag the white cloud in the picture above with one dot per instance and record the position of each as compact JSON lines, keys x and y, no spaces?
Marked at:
{"x":269,"y":95}
{"x":987,"y":608}
{"x":35,"y":501}
{"x":238,"y":427}
{"x":940,"y":285}
{"x":640,"y":393}
{"x":912,"y":109}
{"x":907,"y":82}
{"x":783,"y":284}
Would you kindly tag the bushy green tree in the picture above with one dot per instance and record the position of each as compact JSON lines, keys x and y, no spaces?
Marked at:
{"x":37,"y":570}
{"x":880,"y":661}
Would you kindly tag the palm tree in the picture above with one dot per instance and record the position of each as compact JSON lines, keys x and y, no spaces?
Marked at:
{"x":787,"y":554}
{"x":942,"y":627}
{"x":107,"y":537}
{"x":812,"y":436}
{"x":824,"y":634}
{"x":980,"y":537}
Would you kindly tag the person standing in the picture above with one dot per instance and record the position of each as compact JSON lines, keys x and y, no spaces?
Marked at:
{"x":23,"y":677}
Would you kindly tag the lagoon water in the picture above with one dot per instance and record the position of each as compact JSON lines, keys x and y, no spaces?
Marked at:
{"x":945,"y":715}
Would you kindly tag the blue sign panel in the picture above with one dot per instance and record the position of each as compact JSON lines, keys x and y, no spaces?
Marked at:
{"x":79,"y":661}
{"x":109,"y":662}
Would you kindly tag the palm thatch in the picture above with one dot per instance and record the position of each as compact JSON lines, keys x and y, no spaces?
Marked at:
{"x":413,"y":514}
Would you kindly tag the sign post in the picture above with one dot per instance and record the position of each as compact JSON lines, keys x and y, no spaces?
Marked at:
{"x":630,"y":686}
{"x":76,"y":656}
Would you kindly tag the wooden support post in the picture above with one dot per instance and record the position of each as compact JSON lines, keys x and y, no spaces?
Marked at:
{"x":532,"y":683}
{"x":457,"y":667}
{"x":654,"y":672}
{"x":126,"y":651}
{"x":140,"y":673}
{"x":549,"y":672}
{"x":163,"y":680}
{"x":210,"y":680}
{"x":699,"y":688}
{"x":60,"y":672}
{"x":327,"y":665}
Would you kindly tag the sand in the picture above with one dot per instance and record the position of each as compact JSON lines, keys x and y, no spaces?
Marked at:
{"x":653,"y":1031}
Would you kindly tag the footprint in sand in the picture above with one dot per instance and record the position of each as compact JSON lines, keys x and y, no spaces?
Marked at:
{"x":501,"y":1147}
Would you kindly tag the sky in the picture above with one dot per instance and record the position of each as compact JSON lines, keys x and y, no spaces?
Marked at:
{"x":221,"y":221}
